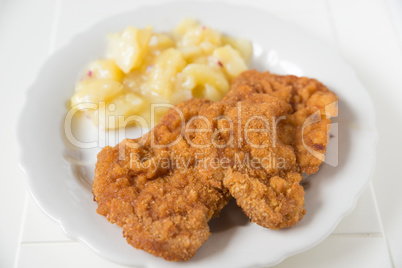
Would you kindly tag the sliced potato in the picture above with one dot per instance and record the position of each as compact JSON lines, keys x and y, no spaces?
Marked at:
{"x":161,"y":41}
{"x":211,"y":93}
{"x":242,"y":45}
{"x":231,"y":60}
{"x":161,"y":78}
{"x":197,"y":35}
{"x":196,"y":75}
{"x":184,"y":26}
{"x":129,"y":47}
{"x":118,"y":110}
{"x":191,"y":52}
{"x":95,"y":90}
{"x":105,"y":69}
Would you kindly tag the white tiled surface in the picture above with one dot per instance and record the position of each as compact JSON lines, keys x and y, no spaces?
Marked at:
{"x":362,"y":31}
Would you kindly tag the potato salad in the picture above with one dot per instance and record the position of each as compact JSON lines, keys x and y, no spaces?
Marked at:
{"x":142,"y":67}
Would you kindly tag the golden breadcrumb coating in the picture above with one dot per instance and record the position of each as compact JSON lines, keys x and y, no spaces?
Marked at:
{"x":306,"y":128}
{"x":254,"y":145}
{"x":262,"y":173}
{"x":163,"y":208}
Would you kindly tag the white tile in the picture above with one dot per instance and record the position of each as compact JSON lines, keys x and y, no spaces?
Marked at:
{"x":368,"y":42}
{"x":360,"y":41}
{"x":60,"y":255}
{"x":311,"y":15}
{"x":38,"y":227}
{"x":24,"y":40}
{"x":75,"y":16}
{"x":395,"y":8}
{"x":343,"y":251}
{"x":363,"y":219}
{"x":336,"y":251}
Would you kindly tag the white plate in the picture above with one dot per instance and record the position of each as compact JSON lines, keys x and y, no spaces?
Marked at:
{"x":61,"y":187}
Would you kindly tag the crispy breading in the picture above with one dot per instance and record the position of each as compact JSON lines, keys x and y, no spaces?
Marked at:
{"x":306,"y":128}
{"x":255,"y":144}
{"x":262,"y":173}
{"x":273,"y":202}
{"x":297,"y":112}
{"x":155,"y":194}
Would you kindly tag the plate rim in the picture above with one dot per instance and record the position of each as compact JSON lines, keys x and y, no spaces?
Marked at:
{"x":28,"y":170}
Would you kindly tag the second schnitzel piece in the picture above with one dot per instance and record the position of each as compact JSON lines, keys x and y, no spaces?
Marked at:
{"x":259,"y":170}
{"x":307,"y":126}
{"x":150,"y":187}
{"x":270,"y":129}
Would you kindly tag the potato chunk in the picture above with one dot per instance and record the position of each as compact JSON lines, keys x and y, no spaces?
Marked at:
{"x":162,"y":75}
{"x":196,"y":76}
{"x":105,"y":69}
{"x":95,"y":90}
{"x":117,"y":111}
{"x":231,"y":60}
{"x":242,"y":45}
{"x":128,"y":48}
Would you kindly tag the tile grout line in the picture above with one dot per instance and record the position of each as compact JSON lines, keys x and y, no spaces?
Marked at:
{"x":52,"y":43}
{"x":339,"y":48}
{"x":357,"y":235}
{"x":377,"y":209}
{"x":338,"y":235}
{"x":53,"y":33}
{"x":21,"y":231}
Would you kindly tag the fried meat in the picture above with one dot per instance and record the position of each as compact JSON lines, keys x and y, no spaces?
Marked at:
{"x":254,"y":145}
{"x":149,"y":187}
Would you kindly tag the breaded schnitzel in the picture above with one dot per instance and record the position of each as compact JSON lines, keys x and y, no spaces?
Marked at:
{"x":261,"y":173}
{"x":255,"y":144}
{"x":298,"y":127}
{"x":162,"y":207}
{"x":306,"y":128}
